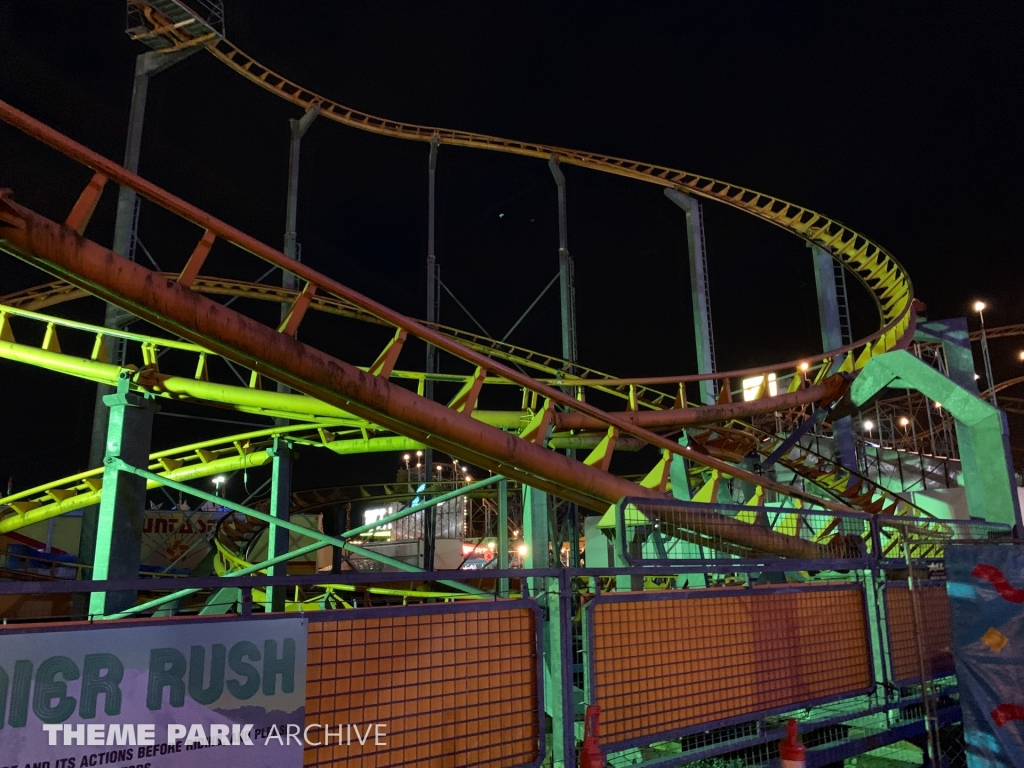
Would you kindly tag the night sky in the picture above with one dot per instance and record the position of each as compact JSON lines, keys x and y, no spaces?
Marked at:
{"x":902,"y":121}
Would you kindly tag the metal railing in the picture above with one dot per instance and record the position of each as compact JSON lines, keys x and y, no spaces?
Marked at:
{"x":682,"y":671}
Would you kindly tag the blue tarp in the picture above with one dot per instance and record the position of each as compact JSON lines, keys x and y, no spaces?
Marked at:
{"x":986,"y":591}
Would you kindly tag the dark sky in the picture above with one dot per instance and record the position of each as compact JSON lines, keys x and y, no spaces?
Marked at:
{"x":901,"y":120}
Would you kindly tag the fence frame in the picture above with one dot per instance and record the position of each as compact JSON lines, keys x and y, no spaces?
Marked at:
{"x":561,"y":587}
{"x":593,"y":691}
{"x":462,"y":607}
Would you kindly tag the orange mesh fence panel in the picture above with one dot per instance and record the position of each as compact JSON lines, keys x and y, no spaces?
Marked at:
{"x":936,"y":636}
{"x":453,"y":685}
{"x":662,"y":663}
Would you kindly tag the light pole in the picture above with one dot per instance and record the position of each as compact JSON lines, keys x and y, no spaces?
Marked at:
{"x":979,"y":307}
{"x":218,"y":481}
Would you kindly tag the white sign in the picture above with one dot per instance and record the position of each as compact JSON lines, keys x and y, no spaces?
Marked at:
{"x":173,"y":695}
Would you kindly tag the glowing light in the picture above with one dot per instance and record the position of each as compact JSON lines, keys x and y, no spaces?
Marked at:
{"x":419,"y":453}
{"x":491,"y":545}
{"x":521,"y":550}
{"x":465,"y":469}
{"x":904,"y":421}
{"x":407,"y":457}
{"x":1020,"y":355}
{"x":371,"y":516}
{"x":868,"y":425}
{"x":979,"y":306}
{"x":753,"y":388}
{"x":438,"y":467}
{"x":938,"y":405}
{"x":977,"y":376}
{"x":804,"y":366}
{"x":218,"y":480}
{"x":469,"y":478}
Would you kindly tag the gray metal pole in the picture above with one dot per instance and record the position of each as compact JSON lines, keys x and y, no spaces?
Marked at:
{"x":432,"y":274}
{"x":433,"y":297}
{"x":298,"y":129}
{"x":567,"y":302}
{"x":146,"y":65}
{"x":829,"y":316}
{"x":566,"y":271}
{"x":700,"y":288}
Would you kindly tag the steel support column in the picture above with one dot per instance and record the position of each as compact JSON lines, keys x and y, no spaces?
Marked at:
{"x":832,"y":337}
{"x":280,"y":509}
{"x":536,"y":536}
{"x":297,"y":129}
{"x":700,"y":289}
{"x":503,"y":543}
{"x":567,"y":304}
{"x":433,"y":307}
{"x":679,"y":473}
{"x":122,"y":504}
{"x":125,"y":224}
{"x":536,"y":527}
{"x":566,"y":272}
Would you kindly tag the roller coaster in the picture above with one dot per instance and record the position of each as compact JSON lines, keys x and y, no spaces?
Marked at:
{"x":750,"y":446}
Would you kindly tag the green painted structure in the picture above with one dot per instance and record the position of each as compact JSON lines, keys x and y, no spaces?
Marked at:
{"x":985,"y":454}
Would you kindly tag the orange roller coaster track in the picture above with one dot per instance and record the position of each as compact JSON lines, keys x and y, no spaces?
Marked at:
{"x":171,"y":304}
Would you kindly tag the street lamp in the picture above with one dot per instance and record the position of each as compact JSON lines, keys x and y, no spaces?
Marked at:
{"x":868,"y":425}
{"x":979,"y":307}
{"x":218,"y":481}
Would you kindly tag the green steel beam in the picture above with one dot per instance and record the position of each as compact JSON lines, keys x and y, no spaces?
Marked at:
{"x":988,"y":474}
{"x":285,"y":557}
{"x":295,"y":528}
{"x":255,"y":568}
{"x":536,"y":535}
{"x":280,"y":509}
{"x":116,"y":541}
{"x":955,"y":338}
